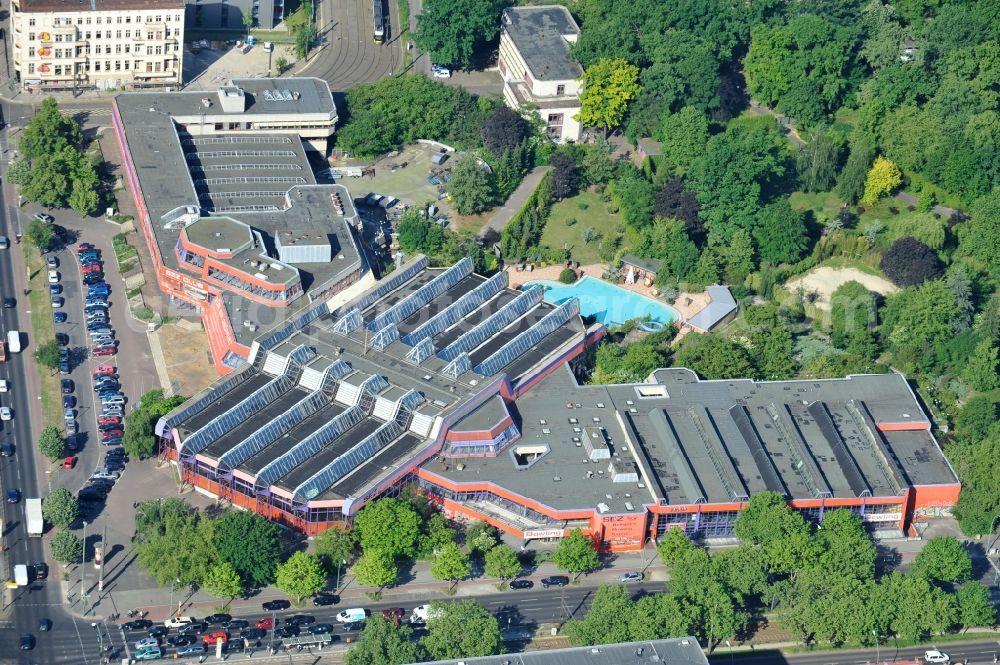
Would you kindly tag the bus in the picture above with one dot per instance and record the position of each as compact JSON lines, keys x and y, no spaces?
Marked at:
{"x":378,"y":11}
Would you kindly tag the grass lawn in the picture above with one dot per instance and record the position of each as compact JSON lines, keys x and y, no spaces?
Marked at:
{"x":590,"y":213}
{"x":42,"y":330}
{"x":826,"y":205}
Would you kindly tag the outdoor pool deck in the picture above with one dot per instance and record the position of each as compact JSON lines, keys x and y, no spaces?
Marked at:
{"x":608,"y":303}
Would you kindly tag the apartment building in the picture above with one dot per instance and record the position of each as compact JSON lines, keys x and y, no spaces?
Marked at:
{"x":102,"y":44}
{"x":537,"y":69}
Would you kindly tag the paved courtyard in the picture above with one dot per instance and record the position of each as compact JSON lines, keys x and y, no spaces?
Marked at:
{"x":212,"y":67}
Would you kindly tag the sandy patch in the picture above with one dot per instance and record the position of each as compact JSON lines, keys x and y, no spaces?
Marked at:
{"x":825,"y":281}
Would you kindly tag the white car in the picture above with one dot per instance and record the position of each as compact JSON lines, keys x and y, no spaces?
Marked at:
{"x":53,"y":277}
{"x":4,"y":385}
{"x":935,"y":656}
{"x":440,"y":72}
{"x":57,"y":302}
{"x":5,"y":413}
{"x":177,"y":622}
{"x":268,"y":47}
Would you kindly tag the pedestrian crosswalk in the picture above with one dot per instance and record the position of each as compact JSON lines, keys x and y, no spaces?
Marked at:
{"x":90,"y":110}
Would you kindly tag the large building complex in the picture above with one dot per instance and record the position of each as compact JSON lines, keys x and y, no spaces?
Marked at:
{"x":677,"y":651}
{"x":236,"y":224}
{"x":104,"y":44}
{"x":537,"y":69}
{"x":457,"y":384}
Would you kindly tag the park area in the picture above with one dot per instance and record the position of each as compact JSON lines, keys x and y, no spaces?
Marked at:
{"x":579,"y":223}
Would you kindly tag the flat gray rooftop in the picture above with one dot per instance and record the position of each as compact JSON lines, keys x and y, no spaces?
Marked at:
{"x":308,"y":95}
{"x":717,"y":441}
{"x":679,"y":651}
{"x":538,"y":34}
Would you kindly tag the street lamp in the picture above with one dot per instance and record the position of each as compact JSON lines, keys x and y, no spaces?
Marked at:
{"x":83,"y":569}
{"x":343,"y":562}
{"x":730,"y":645}
{"x":176,"y":580}
{"x":878,"y":653}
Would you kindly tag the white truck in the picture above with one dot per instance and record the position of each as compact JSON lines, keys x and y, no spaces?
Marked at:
{"x":21,"y":574}
{"x":14,"y":341}
{"x":421,"y":613}
{"x":33,"y":513}
{"x":352,"y":614}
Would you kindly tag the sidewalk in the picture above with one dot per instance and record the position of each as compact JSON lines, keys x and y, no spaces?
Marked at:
{"x":418,"y":586}
{"x":501,"y":216}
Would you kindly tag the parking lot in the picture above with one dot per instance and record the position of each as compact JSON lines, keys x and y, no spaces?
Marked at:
{"x":208,"y":68}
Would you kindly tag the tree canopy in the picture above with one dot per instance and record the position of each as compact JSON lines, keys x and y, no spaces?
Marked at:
{"x":461,"y":629}
{"x":608,"y":86}
{"x":451,"y":31}
{"x":60,"y":508}
{"x":250,"y":543}
{"x":390,"y":526}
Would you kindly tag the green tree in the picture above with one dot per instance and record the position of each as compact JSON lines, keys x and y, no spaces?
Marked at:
{"x":743,"y":569}
{"x":335,"y":547}
{"x":818,"y":161}
{"x":770,"y":342}
{"x":979,"y":501}
{"x":481,"y":537}
{"x":976,"y":237}
{"x":501,"y":562}
{"x":852,"y":318}
{"x":976,"y":417}
{"x":451,"y":564}
{"x":883,"y":178}
{"x":250,"y":543}
{"x":683,"y":136}
{"x":40,"y":234}
{"x":769,"y":523}
{"x":375,"y":568}
{"x":47,"y":354}
{"x":576,"y":554}
{"x":384,"y":643}
{"x":922,"y":609}
{"x":607,"y":621}
{"x":472,"y":189}
{"x":462,"y":629}
{"x":918,"y":325}
{"x":451,"y":31}
{"x":616,"y":363}
{"x":975,"y":608}
{"x":608,"y":86}
{"x":659,"y":615}
{"x":179,"y":548}
{"x":438,"y":534}
{"x":634,"y":195}
{"x":714,"y":356}
{"x":944,"y":559}
{"x":389,"y":525}
{"x":66,"y":547}
{"x":60,"y":508}
{"x":845,"y":548}
{"x":304,"y":35}
{"x":781,"y":234}
{"x":981,"y":369}
{"x":804,"y":67}
{"x":140,"y":440}
{"x":737,"y":173}
{"x":851,"y":184}
{"x":674,"y":546}
{"x":668,"y":241}
{"x":300,"y":575}
{"x":222,"y":581}
{"x":51,"y":443}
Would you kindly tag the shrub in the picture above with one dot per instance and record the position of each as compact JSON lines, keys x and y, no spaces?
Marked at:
{"x":567,"y":276}
{"x":582,"y":205}
{"x":909,"y":262}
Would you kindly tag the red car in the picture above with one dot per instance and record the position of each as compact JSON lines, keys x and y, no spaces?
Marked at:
{"x":91,"y":269}
{"x":84,"y":246}
{"x":102,"y":370}
{"x":213,"y":637}
{"x":393,"y":615}
{"x":69,"y":462}
{"x":109,"y":420}
{"x":267,"y":623}
{"x":103,"y":351}
{"x":111,"y":434}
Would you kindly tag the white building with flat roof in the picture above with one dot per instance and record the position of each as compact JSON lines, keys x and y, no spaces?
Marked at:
{"x":537,"y":69}
{"x":103,"y":44}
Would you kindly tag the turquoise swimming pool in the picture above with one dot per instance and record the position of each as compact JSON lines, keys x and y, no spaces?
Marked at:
{"x":609,"y":304}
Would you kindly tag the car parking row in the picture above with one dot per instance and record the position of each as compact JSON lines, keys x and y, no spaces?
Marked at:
{"x":107,"y":389}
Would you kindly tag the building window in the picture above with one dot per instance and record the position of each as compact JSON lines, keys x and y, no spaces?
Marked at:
{"x":118,"y":48}
{"x":88,"y":20}
{"x":58,"y":38}
{"x":126,"y":65}
{"x":118,"y":34}
{"x":98,"y":20}
{"x":97,"y":35}
{"x":560,"y":90}
{"x":97,"y":66}
{"x":31,"y":68}
{"x":159,"y":50}
{"x":31,"y":51}
{"x":118,"y":65}
{"x":31,"y":23}
{"x":31,"y":36}
{"x":88,"y":34}
{"x":57,"y":21}
{"x":128,"y":48}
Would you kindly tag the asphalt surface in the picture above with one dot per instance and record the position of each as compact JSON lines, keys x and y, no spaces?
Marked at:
{"x":347,"y":55}
{"x":979,"y":652}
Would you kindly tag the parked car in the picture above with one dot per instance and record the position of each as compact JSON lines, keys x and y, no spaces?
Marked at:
{"x":235,"y":624}
{"x":521,"y":584}
{"x":440,"y":72}
{"x":216,"y":635}
{"x":137,"y":624}
{"x":41,"y":570}
{"x":67,"y":386}
{"x":321,"y":628}
{"x":53,"y":277}
{"x":104,"y":351}
{"x":181,"y":640}
{"x":43,"y":217}
{"x":555,"y":580}
{"x":158,"y":631}
{"x":631,"y":576}
{"x":177,"y":621}
{"x":13,"y":496}
{"x":54,"y":290}
{"x":935,"y":656}
{"x":252,"y":633}
{"x":51,"y":261}
{"x":324,"y":599}
{"x":300,"y":620}
{"x":287,"y":631}
{"x":218,"y":618}
{"x":267,"y":623}
{"x":104,"y":370}
{"x":191,"y":650}
{"x":275,"y":605}
{"x":62,"y":339}
{"x":59,"y":317}
{"x":69,"y":462}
